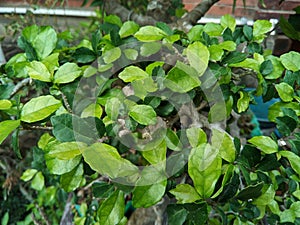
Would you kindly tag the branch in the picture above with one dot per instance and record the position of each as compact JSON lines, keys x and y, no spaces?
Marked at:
{"x":113,"y":7}
{"x":199,"y":11}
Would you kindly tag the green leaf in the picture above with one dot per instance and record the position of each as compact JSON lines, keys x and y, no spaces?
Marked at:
{"x":67,"y":73}
{"x":72,"y":180}
{"x":267,"y":196}
{"x":39,"y":108}
{"x":246,"y":63}
{"x":213,"y":29}
{"x":5,"y":104}
{"x":89,"y":71}
{"x":148,"y":195}
{"x":42,"y":49}
{"x":266,"y":67}
{"x":67,"y":127}
{"x":243,"y":101}
{"x":66,"y":150}
{"x":248,"y":32}
{"x":176,"y":214}
{"x":156,"y":155}
{"x":198,"y":56}
{"x":112,"y":108}
{"x":276,"y":111}
{"x":293,"y":159}
{"x":228,"y":21}
{"x":102,"y":189}
{"x":150,"y":48}
{"x":234,"y":57}
{"x":288,"y":29}
{"x":215,"y":52}
{"x":132,"y":73}
{"x":143,"y":87}
{"x":112,"y":55}
{"x":149,"y":33}
{"x":185,"y":193}
{"x":84,"y":55}
{"x":290,"y":60}
{"x":204,"y":167}
{"x":112,"y":164}
{"x":173,"y":141}
{"x":285,"y":92}
{"x":131,"y":54}
{"x":222,"y":141}
{"x":51,"y":62}
{"x":128,"y":28}
{"x":196,"y":136}
{"x":37,"y":70}
{"x":143,"y":114}
{"x":28,"y":174}
{"x":260,"y":28}
{"x":265,"y":144}
{"x":112,"y":210}
{"x":195,"y":33}
{"x":5,"y":219}
{"x":182,"y":78}
{"x":197,"y":213}
{"x":60,"y":166}
{"x":250,"y":192}
{"x":227,"y":45}
{"x":38,"y":182}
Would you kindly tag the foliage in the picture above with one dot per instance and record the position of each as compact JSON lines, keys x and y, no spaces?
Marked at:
{"x":143,"y":114}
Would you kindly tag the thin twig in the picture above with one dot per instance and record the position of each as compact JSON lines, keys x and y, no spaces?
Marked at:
{"x":66,"y":103}
{"x":19,"y":86}
{"x":43,"y":215}
{"x":31,"y":127}
{"x":35,"y":221}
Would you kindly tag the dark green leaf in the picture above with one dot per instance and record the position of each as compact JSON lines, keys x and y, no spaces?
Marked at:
{"x":250,"y":192}
{"x":163,"y":26}
{"x":176,"y":214}
{"x":234,"y":57}
{"x":266,"y":67}
{"x":72,"y":180}
{"x":102,"y":189}
{"x":248,"y":32}
{"x":84,"y":55}
{"x":197,"y":214}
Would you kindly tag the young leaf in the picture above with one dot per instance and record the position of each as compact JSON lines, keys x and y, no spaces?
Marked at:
{"x":260,"y":28}
{"x":132,"y":73}
{"x":67,"y":73}
{"x":112,"y":55}
{"x":39,"y":108}
{"x":5,"y":104}
{"x":66,"y":150}
{"x":38,"y":181}
{"x":72,"y":180}
{"x":293,"y":159}
{"x":198,"y":56}
{"x":112,"y":108}
{"x":28,"y":174}
{"x":185,"y":193}
{"x":196,"y":136}
{"x":228,"y":21}
{"x":37,"y":70}
{"x":265,"y":144}
{"x":243,"y":102}
{"x":143,"y":114}
{"x":93,"y":110}
{"x":156,"y":155}
{"x":112,"y":210}
{"x":149,"y":33}
{"x":285,"y":92}
{"x":150,"y":48}
{"x":128,"y":28}
{"x":276,"y":111}
{"x":60,"y":166}
{"x":290,"y":61}
{"x":42,"y":49}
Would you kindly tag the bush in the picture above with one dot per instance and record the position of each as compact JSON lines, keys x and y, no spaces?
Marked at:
{"x":147,"y":115}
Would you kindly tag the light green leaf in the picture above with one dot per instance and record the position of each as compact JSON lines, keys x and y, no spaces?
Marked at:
{"x":223,"y":142}
{"x":131,"y":54}
{"x":61,"y":166}
{"x":106,"y":160}
{"x":287,"y":216}
{"x":276,"y":111}
{"x":195,"y":33}
{"x":213,"y":29}
{"x":72,"y":180}
{"x":66,"y":150}
{"x":150,"y":48}
{"x":39,"y":108}
{"x":128,"y":28}
{"x":112,"y":108}
{"x":295,"y":207}
{"x":67,"y":73}
{"x":247,"y":63}
{"x":196,"y":136}
{"x":173,"y":141}
{"x":143,"y":114}
{"x":132,"y":73}
{"x":293,"y":159}
{"x":291,"y":60}
{"x":150,"y":33}
{"x":227,"y":45}
{"x":6,"y":127}
{"x":5,"y":104}
{"x":156,"y":155}
{"x":260,"y":28}
{"x":185,"y":193}
{"x":28,"y":174}
{"x":204,"y":167}
{"x":5,"y":219}
{"x":89,"y":71}
{"x":267,"y":197}
{"x":285,"y":92}
{"x":93,"y":110}
{"x":112,"y":210}
{"x":228,"y":21}
{"x":143,"y":87}
{"x":37,"y":70}
{"x":198,"y":56}
{"x":243,"y":102}
{"x":44,"y":49}
{"x":38,"y":182}
{"x":111,"y":55}
{"x":277,"y":67}
{"x":51,"y":62}
{"x":148,"y":195}
{"x":215,"y":52}
{"x":182,"y":78}
{"x":265,"y":144}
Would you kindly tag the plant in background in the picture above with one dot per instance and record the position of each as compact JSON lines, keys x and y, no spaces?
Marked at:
{"x":143,"y":114}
